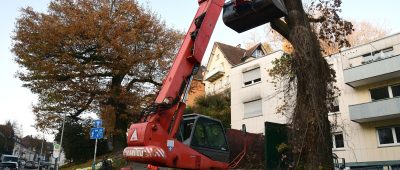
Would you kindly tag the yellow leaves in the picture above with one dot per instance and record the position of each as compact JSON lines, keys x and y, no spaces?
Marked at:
{"x":287,"y":47}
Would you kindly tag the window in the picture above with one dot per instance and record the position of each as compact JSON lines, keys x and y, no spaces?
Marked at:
{"x":379,"y":93}
{"x":252,"y":108}
{"x":251,"y":77}
{"x":385,"y":92}
{"x":389,"y":135}
{"x":396,"y":90}
{"x":217,"y":57}
{"x":397,"y":133}
{"x":227,"y":80}
{"x":212,"y":89}
{"x":377,"y":55}
{"x":385,"y":136}
{"x":185,"y":130}
{"x":209,"y":134}
{"x":221,"y":84}
{"x":257,"y":53}
{"x":374,"y":168}
{"x":334,"y":107}
{"x":388,"y":52}
{"x":338,"y":140}
{"x":216,"y":136}
{"x":395,"y":167}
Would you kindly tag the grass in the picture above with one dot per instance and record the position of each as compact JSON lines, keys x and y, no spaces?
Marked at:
{"x":116,"y":158}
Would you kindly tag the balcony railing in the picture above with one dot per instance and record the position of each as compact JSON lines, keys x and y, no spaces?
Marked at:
{"x":372,"y":70}
{"x":375,"y":110}
{"x":214,"y":74}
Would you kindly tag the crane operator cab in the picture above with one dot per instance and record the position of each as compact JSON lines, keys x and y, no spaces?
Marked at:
{"x":205,"y":135}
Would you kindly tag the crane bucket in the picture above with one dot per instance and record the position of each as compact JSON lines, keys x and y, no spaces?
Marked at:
{"x":249,"y":14}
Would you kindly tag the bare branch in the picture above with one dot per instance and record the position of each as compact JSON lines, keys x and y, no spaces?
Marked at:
{"x":142,"y":80}
{"x":320,"y":19}
{"x":281,"y":27}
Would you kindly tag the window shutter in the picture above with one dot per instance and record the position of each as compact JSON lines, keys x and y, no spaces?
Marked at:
{"x":253,"y":108}
{"x":251,"y":75}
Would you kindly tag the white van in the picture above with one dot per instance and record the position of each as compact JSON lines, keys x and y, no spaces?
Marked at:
{"x":7,"y":160}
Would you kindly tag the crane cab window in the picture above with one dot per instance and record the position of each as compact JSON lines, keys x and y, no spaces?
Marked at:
{"x":209,"y":134}
{"x":185,"y":130}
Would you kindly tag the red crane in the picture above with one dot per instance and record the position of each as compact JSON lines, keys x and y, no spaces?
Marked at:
{"x":164,"y":136}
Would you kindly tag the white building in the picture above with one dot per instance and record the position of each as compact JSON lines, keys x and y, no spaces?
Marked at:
{"x":23,"y":152}
{"x":253,"y":95}
{"x":368,"y":108}
{"x":220,"y":62}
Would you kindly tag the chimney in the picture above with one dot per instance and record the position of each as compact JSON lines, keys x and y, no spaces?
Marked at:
{"x":239,"y":45}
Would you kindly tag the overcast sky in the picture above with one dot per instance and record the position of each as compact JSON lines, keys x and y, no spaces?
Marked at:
{"x":16,"y":101}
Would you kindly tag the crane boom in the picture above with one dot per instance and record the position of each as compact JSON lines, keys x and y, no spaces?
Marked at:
{"x":153,"y":140}
{"x":164,"y":137}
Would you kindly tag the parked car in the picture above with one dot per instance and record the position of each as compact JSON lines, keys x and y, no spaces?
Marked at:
{"x":45,"y":164}
{"x":21,"y":162}
{"x":8,"y":166}
{"x":9,"y":161}
{"x":30,"y":165}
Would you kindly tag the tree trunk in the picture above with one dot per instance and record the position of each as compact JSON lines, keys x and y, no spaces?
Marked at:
{"x":120,"y":110}
{"x":310,"y":135}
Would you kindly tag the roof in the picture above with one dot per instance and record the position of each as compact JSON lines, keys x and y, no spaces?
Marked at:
{"x":231,"y":53}
{"x":245,"y":62}
{"x":251,"y":50}
{"x":237,"y":55}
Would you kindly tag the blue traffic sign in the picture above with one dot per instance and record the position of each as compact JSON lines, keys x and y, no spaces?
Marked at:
{"x":97,"y":123}
{"x":96,"y":133}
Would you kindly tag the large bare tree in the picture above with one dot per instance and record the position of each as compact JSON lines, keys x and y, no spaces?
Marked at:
{"x":310,"y":76}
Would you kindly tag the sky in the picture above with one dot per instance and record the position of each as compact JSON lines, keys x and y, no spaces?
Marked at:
{"x":16,"y":101}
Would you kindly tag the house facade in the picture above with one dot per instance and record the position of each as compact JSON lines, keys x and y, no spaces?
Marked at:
{"x":366,"y":111}
{"x":220,"y":62}
{"x":197,"y":87}
{"x":253,"y":94}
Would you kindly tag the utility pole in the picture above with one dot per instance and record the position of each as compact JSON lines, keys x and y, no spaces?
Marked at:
{"x":41,"y":151}
{"x":62,"y":135}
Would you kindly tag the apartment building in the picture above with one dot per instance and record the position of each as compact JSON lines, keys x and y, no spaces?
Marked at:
{"x":220,"y":62}
{"x":367,"y":110}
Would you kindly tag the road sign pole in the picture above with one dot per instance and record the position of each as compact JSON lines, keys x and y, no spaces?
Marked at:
{"x":55,"y":164}
{"x":94,"y":158}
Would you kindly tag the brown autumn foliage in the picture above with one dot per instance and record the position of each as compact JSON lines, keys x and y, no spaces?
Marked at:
{"x":364,"y":32}
{"x":91,"y":57}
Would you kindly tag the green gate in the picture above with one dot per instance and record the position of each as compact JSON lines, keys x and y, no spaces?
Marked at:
{"x":275,"y":134}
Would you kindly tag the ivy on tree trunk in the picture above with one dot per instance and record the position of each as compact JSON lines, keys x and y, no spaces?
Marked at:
{"x":310,"y":133}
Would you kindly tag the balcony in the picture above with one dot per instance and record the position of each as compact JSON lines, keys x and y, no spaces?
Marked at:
{"x":214,"y":74}
{"x":376,"y":110}
{"x":372,"y":71}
